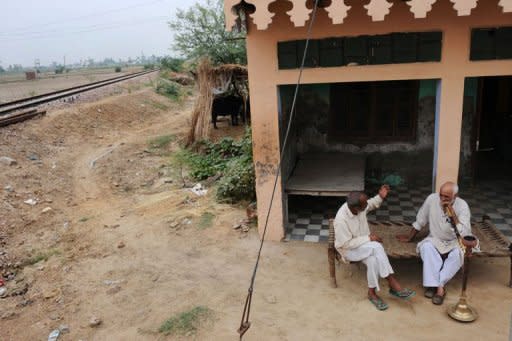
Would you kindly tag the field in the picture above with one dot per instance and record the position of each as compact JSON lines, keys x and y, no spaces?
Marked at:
{"x":117,"y":246}
{"x":14,"y":86}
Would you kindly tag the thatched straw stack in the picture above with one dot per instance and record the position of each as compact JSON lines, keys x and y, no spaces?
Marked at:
{"x":209,"y":77}
{"x":200,"y":118}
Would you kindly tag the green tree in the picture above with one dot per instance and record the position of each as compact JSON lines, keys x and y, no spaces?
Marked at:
{"x":199,"y":31}
{"x":2,"y":69}
{"x":174,"y":64}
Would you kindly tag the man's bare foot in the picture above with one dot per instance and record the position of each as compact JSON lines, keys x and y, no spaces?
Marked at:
{"x":393,"y":283}
{"x":372,"y":293}
{"x":376,"y":300}
{"x":440,"y":291}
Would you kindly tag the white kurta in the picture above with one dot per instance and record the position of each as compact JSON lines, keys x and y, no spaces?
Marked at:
{"x":353,"y":242}
{"x":351,"y":230}
{"x":441,"y":233}
{"x":441,"y":240}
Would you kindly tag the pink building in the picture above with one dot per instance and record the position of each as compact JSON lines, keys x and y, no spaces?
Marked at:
{"x":417,"y":92}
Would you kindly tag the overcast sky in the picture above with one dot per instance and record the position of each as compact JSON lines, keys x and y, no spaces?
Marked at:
{"x":79,"y":29}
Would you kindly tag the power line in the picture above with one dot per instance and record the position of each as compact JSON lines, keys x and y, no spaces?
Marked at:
{"x":85,"y":30}
{"x":38,"y":33}
{"x":245,"y":324}
{"x":95,"y":14}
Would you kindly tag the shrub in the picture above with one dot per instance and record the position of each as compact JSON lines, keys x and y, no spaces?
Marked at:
{"x":170,"y":89}
{"x":173,"y":64}
{"x":149,"y":66}
{"x":230,"y":159}
{"x":238,"y":182}
{"x":117,"y":69}
{"x":59,"y":69}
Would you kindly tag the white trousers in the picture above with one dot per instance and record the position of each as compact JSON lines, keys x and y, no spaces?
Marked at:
{"x":372,"y":254}
{"x":436,"y":272}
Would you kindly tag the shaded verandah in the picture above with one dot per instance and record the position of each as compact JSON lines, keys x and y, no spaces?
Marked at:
{"x":308,"y":216}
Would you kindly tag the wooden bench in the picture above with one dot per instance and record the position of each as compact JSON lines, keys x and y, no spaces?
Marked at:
{"x":492,"y":242}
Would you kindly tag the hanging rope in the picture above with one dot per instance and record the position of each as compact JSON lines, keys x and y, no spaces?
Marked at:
{"x":244,"y":323}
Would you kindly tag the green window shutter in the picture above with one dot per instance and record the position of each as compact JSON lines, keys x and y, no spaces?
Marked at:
{"x":312,"y":59}
{"x":356,"y":50}
{"x":331,"y":52}
{"x":429,"y":46}
{"x":380,"y":49}
{"x":287,"y":55}
{"x":504,"y":43}
{"x":483,"y":44}
{"x":405,"y":47}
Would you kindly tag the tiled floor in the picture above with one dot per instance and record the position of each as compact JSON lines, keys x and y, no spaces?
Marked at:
{"x":308,"y":216}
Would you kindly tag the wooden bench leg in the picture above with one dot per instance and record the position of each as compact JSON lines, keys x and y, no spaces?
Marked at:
{"x":510,"y":278}
{"x":331,"y":256}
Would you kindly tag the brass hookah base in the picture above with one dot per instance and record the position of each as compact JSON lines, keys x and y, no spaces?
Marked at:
{"x":462,"y":311}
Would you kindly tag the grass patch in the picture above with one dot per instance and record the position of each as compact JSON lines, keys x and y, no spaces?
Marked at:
{"x":83,"y":219}
{"x":157,"y":105}
{"x":161,"y":141}
{"x":206,"y":220}
{"x":187,"y":322}
{"x":170,"y":89}
{"x":40,"y":256}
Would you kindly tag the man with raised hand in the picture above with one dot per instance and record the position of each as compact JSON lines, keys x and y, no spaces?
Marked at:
{"x":355,"y":243}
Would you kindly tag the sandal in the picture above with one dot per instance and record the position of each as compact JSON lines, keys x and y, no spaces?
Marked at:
{"x":378,"y":303}
{"x":403,"y":294}
{"x":430,"y":292}
{"x":438,"y":299}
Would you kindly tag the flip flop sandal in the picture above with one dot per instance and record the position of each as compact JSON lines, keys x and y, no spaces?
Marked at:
{"x":378,"y":303}
{"x":430,"y":292}
{"x":403,"y":294}
{"x":438,"y":299}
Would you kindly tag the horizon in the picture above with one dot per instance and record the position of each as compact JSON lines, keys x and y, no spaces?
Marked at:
{"x":76,"y":31}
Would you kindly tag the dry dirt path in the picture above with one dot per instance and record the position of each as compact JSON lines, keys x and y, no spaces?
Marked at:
{"x":168,"y":262}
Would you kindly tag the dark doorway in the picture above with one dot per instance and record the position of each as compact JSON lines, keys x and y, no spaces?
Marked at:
{"x":492,"y":155}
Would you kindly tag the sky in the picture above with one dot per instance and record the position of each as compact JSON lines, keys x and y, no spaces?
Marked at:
{"x":51,"y":30}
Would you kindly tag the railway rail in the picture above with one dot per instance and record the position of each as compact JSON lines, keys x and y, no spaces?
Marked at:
{"x":18,"y":110}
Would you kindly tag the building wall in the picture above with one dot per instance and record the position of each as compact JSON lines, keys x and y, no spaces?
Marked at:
{"x":264,"y":77}
{"x":311,"y":122}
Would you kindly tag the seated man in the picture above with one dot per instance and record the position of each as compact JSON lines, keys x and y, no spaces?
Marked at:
{"x":355,"y":243}
{"x":440,"y":251}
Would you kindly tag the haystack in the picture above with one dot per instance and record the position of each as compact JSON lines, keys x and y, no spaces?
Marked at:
{"x":214,"y":81}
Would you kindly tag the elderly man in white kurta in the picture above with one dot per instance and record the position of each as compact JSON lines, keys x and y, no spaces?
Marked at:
{"x":440,"y":251}
{"x":355,"y":243}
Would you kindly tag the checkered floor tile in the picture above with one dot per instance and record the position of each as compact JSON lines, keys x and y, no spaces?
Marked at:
{"x":308,"y":216}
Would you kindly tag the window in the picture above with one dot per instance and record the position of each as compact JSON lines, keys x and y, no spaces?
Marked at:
{"x":491,"y":43}
{"x":373,"y":112}
{"x":408,"y":47}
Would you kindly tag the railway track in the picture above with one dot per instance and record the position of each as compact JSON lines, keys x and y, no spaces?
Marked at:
{"x":25,"y":108}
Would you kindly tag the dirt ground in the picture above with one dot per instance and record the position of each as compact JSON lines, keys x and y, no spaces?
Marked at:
{"x":124,"y":242}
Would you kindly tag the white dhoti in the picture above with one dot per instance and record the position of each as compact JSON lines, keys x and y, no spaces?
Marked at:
{"x":436,"y":272}
{"x":372,"y":254}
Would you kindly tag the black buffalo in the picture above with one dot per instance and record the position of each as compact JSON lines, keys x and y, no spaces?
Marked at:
{"x":227,"y":106}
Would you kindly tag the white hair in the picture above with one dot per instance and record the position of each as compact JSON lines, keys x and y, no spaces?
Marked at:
{"x":454,"y":186}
